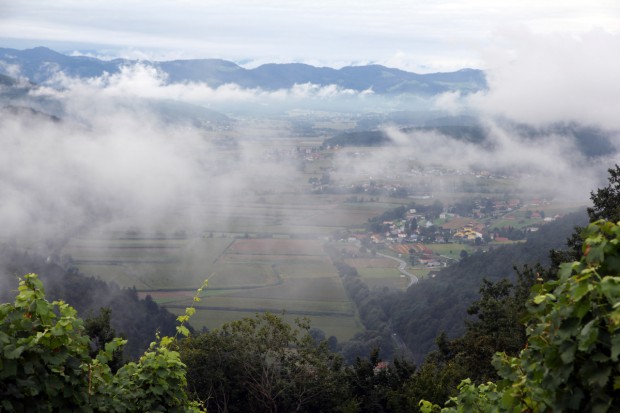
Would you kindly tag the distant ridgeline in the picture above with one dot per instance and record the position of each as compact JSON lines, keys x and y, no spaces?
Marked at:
{"x":41,"y":64}
{"x":16,"y":99}
{"x":591,"y":141}
{"x":468,"y":133}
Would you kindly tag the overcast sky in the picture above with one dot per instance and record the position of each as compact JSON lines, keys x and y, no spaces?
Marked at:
{"x":418,"y":35}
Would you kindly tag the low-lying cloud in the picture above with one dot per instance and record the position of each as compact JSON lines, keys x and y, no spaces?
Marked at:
{"x":554,"y":77}
{"x":113,"y":159}
{"x":550,"y":166}
{"x":548,"y":83}
{"x":146,"y":81}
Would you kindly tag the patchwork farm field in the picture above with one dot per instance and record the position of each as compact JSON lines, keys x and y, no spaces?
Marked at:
{"x":272,"y":246}
{"x":379,"y":272}
{"x":262,"y":252}
{"x":147,"y":263}
{"x":452,"y":251}
{"x":245,"y":276}
{"x":343,"y":329}
{"x":384,"y":277}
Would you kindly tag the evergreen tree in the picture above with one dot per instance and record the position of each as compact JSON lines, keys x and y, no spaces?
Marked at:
{"x":607,"y":200}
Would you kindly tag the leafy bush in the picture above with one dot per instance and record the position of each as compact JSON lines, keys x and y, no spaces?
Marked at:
{"x":45,"y":364}
{"x":572,"y":358}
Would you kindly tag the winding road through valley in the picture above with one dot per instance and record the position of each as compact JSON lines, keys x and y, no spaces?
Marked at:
{"x":401,"y":267}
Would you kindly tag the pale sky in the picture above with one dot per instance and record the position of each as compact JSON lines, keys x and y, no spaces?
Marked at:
{"x":417,"y":35}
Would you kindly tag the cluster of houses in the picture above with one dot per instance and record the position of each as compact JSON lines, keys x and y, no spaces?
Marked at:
{"x":467,"y":233}
{"x":407,"y":235}
{"x":415,"y":228}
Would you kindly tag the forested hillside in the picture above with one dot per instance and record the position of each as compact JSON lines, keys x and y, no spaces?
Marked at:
{"x":133,"y":318}
{"x":571,"y":358}
{"x":468,"y":133}
{"x":591,"y":142}
{"x":408,"y":323}
{"x":439,"y":304}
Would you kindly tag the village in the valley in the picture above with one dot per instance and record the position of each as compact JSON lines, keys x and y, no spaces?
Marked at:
{"x":415,"y":236}
{"x":441,"y":214}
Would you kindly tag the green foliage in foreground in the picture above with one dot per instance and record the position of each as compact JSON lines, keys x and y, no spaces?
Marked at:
{"x":572,"y":358}
{"x":45,"y":364}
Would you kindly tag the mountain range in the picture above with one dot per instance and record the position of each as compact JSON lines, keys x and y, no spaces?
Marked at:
{"x":40,"y":64}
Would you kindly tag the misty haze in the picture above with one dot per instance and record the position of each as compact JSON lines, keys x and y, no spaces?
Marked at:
{"x":370,"y":194}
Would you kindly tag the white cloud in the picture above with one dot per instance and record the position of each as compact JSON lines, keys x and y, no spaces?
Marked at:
{"x":10,"y":69}
{"x":555,"y":78}
{"x":145,"y":81}
{"x":112,"y":158}
{"x":122,"y":161}
{"x":549,"y":165}
{"x":451,"y":102}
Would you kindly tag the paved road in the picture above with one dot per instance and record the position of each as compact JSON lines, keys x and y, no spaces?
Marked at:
{"x":401,"y":267}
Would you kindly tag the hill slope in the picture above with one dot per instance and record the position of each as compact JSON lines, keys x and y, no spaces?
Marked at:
{"x":440,"y":304}
{"x":41,"y":64}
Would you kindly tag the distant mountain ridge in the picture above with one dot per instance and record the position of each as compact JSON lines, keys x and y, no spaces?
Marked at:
{"x":15,"y":100}
{"x":40,"y":64}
